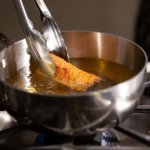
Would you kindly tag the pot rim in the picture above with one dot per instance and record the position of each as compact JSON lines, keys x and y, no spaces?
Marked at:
{"x":86,"y":92}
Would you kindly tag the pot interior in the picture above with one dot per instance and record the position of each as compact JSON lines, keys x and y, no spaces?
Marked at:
{"x":113,"y":58}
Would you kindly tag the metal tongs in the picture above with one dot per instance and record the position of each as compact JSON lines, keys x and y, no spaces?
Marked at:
{"x":40,"y":44}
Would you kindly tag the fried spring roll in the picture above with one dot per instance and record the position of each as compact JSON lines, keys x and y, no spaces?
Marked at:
{"x":71,"y":76}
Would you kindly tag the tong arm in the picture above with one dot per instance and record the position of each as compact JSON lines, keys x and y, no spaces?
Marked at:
{"x":35,"y":40}
{"x":52,"y":35}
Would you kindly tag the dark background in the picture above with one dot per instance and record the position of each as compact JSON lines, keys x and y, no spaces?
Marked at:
{"x":112,"y":16}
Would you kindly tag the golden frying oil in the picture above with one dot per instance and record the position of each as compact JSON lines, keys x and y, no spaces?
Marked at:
{"x":31,"y":80}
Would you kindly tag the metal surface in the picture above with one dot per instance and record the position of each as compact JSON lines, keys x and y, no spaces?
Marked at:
{"x":35,"y":40}
{"x":52,"y":35}
{"x":147,"y":84}
{"x":132,"y":134}
{"x":82,"y":111}
{"x":6,"y":121}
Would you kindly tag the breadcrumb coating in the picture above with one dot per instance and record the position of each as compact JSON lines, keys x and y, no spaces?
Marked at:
{"x":71,"y":76}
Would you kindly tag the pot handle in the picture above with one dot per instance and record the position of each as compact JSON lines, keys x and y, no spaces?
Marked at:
{"x":147,"y":83}
{"x":5,"y":41}
{"x":2,"y":107}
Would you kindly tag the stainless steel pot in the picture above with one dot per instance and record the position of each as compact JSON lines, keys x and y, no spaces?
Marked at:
{"x":82,"y":111}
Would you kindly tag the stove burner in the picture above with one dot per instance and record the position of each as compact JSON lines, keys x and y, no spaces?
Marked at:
{"x":132,"y":134}
{"x":107,"y":138}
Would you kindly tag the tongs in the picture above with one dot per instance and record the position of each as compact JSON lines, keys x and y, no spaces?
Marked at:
{"x":41,"y":44}
{"x":51,"y":31}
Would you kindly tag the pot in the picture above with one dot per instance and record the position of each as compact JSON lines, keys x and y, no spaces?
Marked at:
{"x":70,"y":114}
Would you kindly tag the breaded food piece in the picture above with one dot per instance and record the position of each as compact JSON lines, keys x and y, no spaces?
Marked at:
{"x":71,"y":76}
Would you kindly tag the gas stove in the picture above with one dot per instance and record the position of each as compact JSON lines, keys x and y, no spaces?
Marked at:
{"x":132,"y":134}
